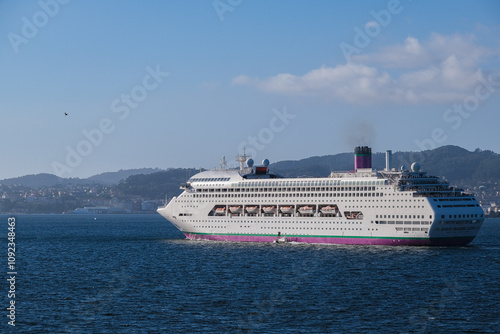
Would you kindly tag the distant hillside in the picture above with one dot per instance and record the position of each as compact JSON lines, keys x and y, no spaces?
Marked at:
{"x":314,"y":166}
{"x":455,"y":163}
{"x":39,"y":180}
{"x":122,"y":174}
{"x":155,"y":185}
{"x":50,"y":180}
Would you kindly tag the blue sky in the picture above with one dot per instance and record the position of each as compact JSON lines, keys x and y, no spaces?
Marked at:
{"x":180,"y":84}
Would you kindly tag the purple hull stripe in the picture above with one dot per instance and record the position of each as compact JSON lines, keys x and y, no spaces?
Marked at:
{"x":332,"y":240}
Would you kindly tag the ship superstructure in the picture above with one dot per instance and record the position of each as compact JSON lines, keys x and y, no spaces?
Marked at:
{"x":363,"y":206}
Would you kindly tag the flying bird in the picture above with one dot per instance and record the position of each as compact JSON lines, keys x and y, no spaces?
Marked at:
{"x":65,"y":114}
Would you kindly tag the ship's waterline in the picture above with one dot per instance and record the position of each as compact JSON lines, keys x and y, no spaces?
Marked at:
{"x":363,"y":206}
{"x":335,"y":239}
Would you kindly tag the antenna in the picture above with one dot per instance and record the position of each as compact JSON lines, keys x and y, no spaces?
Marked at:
{"x":242,"y":158}
{"x":223,"y":164}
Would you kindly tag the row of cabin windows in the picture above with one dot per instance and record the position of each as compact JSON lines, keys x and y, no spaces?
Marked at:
{"x":453,"y":199}
{"x":401,"y":222}
{"x":281,"y":222}
{"x":209,"y":179}
{"x":293,"y":195}
{"x":459,"y":222}
{"x":462,"y":216}
{"x":293,"y":183}
{"x":291,"y":228}
{"x":459,"y":206}
{"x":291,"y":189}
{"x":460,"y":228}
{"x":311,"y":183}
{"x":398,"y":216}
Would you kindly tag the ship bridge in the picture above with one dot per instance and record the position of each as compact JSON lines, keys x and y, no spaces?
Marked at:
{"x":421,"y":184}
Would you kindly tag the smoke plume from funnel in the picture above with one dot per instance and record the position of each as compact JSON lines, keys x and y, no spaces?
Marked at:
{"x":359,"y":133}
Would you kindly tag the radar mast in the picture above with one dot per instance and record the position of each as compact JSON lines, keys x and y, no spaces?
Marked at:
{"x":223,"y":164}
{"x":242,"y":158}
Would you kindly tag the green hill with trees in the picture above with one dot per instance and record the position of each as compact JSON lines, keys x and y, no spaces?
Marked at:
{"x":155,"y":185}
{"x":456,"y":164}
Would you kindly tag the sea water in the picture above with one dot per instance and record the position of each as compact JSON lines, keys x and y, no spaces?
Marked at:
{"x":137,"y":273}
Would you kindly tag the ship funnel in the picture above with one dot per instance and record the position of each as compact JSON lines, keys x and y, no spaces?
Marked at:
{"x":388,"y":160}
{"x":362,"y":157}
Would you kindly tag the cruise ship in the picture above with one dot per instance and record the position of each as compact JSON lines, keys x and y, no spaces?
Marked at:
{"x":363,"y":206}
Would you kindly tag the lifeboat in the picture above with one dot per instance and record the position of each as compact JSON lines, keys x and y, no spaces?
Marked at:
{"x":220,"y":211}
{"x":269,"y":209}
{"x":252,"y":209}
{"x":286,"y":209}
{"x":329,"y":209}
{"x":306,"y":210}
{"x":235,"y":209}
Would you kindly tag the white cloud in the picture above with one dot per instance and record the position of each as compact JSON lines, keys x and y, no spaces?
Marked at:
{"x":442,"y":69}
{"x":407,"y":55}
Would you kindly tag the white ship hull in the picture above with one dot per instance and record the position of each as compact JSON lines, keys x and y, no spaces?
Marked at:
{"x":361,"y":207}
{"x":371,"y":211}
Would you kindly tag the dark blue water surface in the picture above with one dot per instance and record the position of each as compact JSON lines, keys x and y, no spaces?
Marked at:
{"x":136,"y":273}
